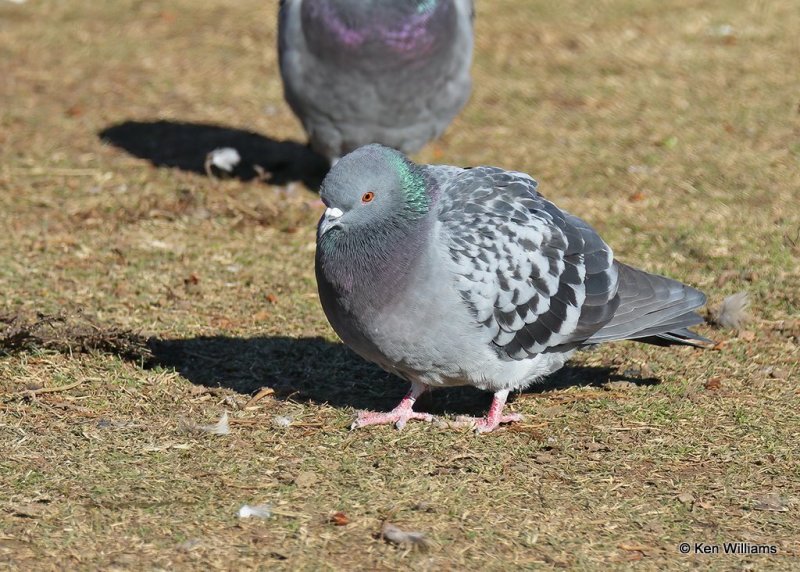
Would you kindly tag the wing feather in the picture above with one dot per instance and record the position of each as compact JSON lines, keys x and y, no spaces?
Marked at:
{"x":534,"y":277}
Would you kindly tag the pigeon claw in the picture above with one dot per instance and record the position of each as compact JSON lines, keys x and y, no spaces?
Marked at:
{"x":484,"y":424}
{"x":398,"y":418}
{"x":492,"y":420}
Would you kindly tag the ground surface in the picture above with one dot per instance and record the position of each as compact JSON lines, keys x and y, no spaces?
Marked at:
{"x":672,"y":125}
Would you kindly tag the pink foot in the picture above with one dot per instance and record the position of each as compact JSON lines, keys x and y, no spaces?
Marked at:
{"x":400,"y":415}
{"x":484,"y":424}
{"x":492,"y":420}
{"x":396,"y":416}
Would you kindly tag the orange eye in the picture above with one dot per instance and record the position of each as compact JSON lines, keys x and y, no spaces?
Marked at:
{"x":367,"y":197}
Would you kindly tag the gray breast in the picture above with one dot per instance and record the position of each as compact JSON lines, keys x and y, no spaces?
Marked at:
{"x":365,"y":72}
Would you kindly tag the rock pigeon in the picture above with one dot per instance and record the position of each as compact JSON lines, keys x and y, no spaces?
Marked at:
{"x":447,"y":276}
{"x":375,"y":71}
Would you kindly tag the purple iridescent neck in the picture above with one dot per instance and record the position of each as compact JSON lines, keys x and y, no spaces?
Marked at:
{"x":404,"y":27}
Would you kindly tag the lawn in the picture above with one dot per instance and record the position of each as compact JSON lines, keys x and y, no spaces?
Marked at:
{"x":141,"y":298}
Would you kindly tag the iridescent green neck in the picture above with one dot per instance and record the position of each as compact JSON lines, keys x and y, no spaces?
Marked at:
{"x":426,"y":6}
{"x":418,"y":201}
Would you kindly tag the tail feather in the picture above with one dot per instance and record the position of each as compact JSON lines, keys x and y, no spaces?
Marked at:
{"x":681,"y":323}
{"x":683,"y":336}
{"x":653,"y":309}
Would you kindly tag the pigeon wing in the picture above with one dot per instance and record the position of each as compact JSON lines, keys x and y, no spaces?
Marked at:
{"x":534,"y":277}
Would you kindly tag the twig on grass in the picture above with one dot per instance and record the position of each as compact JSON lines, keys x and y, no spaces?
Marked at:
{"x":42,"y":390}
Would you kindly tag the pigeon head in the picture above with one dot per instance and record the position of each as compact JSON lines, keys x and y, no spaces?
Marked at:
{"x":374,"y":187}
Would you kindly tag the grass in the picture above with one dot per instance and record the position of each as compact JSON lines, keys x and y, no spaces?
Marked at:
{"x":169,"y":297}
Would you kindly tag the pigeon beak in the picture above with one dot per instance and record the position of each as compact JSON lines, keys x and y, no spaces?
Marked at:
{"x":328,"y":220}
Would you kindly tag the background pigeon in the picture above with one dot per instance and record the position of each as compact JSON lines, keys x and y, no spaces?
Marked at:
{"x":375,"y":71}
{"x":447,"y":276}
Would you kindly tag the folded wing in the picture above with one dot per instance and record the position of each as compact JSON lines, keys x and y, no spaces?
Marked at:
{"x":538,"y":279}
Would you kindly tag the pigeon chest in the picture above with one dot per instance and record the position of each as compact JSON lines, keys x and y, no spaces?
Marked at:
{"x":417,"y":328}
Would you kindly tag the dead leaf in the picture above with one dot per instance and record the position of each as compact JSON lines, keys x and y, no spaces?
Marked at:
{"x":686,"y":498}
{"x":530,"y":429}
{"x":202,"y":390}
{"x":726,"y":277}
{"x":788,"y":328}
{"x":637,"y":197}
{"x":619,"y":385}
{"x":261,"y":316}
{"x":191,"y":283}
{"x":272,"y":298}
{"x":772,"y":503}
{"x":28,"y":510}
{"x":747,"y":335}
{"x":595,"y":447}
{"x":189,"y":545}
{"x":223,"y":323}
{"x":339,"y":519}
{"x":305,"y":479}
{"x":713,"y":384}
{"x":262,"y":393}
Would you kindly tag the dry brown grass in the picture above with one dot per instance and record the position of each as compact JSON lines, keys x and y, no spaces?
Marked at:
{"x":677,"y":137}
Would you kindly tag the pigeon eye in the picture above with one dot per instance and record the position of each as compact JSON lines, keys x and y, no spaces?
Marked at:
{"x":367,"y":197}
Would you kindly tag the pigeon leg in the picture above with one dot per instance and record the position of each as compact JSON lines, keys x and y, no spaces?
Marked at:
{"x":399,"y":415}
{"x":494,"y":418}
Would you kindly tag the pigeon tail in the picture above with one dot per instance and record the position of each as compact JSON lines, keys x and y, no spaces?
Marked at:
{"x":654,"y":310}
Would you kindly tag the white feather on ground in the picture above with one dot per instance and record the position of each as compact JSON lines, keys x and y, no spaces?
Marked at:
{"x":221,"y":427}
{"x":732,"y":313}
{"x":395,"y":535}
{"x":255,"y":511}
{"x":225,"y":158}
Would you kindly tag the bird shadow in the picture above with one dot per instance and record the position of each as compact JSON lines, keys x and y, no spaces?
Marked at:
{"x":314,"y":370}
{"x":185,"y":146}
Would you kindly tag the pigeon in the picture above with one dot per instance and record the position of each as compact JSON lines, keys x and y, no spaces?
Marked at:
{"x":446,"y":276}
{"x":394,"y":72}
